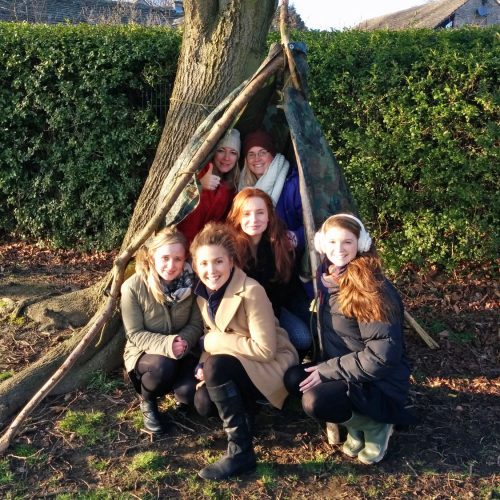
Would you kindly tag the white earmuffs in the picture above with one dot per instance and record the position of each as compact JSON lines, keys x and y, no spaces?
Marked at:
{"x":319,"y":240}
{"x":364,"y":240}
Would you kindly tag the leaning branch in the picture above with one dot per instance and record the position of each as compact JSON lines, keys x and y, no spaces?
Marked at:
{"x":106,"y":311}
{"x":286,"y":44}
{"x":425,"y":336}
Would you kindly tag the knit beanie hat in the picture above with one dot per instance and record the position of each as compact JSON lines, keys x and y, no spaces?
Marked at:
{"x":258,"y":138}
{"x":231,"y":140}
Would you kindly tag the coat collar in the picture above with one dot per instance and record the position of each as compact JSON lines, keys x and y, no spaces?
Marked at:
{"x":231,"y":300}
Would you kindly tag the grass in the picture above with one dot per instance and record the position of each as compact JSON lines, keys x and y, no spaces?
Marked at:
{"x":86,"y":425}
{"x":6,"y":375}
{"x":194,"y":487}
{"x":6,"y":476}
{"x":31,"y":454}
{"x":461,"y":337}
{"x":204,"y":441}
{"x":98,"y":494}
{"x":318,"y":464}
{"x":103,"y":383}
{"x":17,"y":320}
{"x":436,"y":326}
{"x":98,"y":464}
{"x":168,"y":403}
{"x":209,"y":457}
{"x":148,"y":461}
{"x":267,"y":475}
{"x":211,"y":490}
{"x":134,"y":418}
{"x":5,"y":304}
{"x":339,"y":467}
{"x":149,"y":465}
{"x":489,"y":492}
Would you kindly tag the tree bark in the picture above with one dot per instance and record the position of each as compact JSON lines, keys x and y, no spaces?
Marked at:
{"x":224,"y":42}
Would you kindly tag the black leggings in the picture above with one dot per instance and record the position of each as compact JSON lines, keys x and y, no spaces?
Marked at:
{"x":159,"y":375}
{"x":327,"y":401}
{"x":218,"y":370}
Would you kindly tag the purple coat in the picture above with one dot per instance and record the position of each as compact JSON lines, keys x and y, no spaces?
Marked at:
{"x":289,"y":207}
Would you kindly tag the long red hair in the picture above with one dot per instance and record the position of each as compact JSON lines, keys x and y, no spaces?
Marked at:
{"x":362,"y":288}
{"x":283,"y":251}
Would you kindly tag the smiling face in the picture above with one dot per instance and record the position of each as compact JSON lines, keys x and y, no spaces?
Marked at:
{"x":254,"y":216}
{"x":169,"y":261}
{"x":340,"y":246}
{"x":258,"y":160}
{"x":225,"y":159}
{"x":213,"y":265}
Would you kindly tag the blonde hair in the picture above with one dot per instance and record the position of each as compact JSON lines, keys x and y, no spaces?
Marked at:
{"x":145,"y":266}
{"x":247,"y":177}
{"x":230,"y":140}
{"x":362,"y":288}
{"x":231,"y":178}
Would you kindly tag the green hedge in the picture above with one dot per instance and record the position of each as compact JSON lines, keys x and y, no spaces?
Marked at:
{"x":412,"y":117}
{"x":76,"y":141}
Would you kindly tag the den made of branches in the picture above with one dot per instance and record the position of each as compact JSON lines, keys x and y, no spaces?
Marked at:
{"x":222,"y":42}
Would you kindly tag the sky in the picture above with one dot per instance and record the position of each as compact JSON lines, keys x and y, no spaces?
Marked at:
{"x":339,"y":14}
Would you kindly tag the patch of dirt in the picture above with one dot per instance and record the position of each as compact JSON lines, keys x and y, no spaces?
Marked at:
{"x":454,"y":452}
{"x":27,"y":272}
{"x":24,"y":266}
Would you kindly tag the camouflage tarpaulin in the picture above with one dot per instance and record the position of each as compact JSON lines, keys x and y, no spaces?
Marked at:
{"x":286,"y":114}
{"x":325,"y":182}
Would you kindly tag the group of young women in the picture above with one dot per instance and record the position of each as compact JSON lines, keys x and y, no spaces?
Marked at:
{"x":234,"y":328}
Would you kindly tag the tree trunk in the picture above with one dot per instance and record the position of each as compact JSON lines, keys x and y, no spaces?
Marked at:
{"x":224,"y":42}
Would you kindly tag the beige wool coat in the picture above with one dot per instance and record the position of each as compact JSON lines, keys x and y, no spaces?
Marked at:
{"x":150,"y":327}
{"x":246,"y":328}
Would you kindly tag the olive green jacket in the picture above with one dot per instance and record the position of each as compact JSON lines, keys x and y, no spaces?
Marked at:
{"x":150,"y":327}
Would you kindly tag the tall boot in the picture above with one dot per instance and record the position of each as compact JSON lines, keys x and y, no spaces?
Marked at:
{"x":250,"y":418}
{"x":151,"y":416}
{"x":376,"y":436}
{"x":355,"y":441}
{"x":240,"y":456}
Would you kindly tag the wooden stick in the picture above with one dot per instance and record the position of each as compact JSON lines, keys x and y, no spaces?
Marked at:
{"x":332,"y":430}
{"x":286,"y":44}
{"x":257,"y":81}
{"x":425,"y":336}
{"x":333,"y":433}
{"x":308,"y":225}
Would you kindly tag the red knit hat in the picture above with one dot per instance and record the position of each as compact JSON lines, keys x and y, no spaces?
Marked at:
{"x":258,"y":138}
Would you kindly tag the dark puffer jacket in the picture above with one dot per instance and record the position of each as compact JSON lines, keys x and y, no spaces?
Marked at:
{"x":370,"y":357}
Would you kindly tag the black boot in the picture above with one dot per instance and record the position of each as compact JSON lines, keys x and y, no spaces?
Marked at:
{"x":240,"y":457}
{"x":250,"y":418}
{"x":151,"y":416}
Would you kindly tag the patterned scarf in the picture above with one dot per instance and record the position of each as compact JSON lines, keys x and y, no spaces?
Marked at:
{"x":181,"y":287}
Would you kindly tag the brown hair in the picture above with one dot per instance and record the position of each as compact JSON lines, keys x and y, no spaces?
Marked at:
{"x":362,"y":292}
{"x":216,"y":234}
{"x":282,"y":249}
{"x":145,"y":266}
